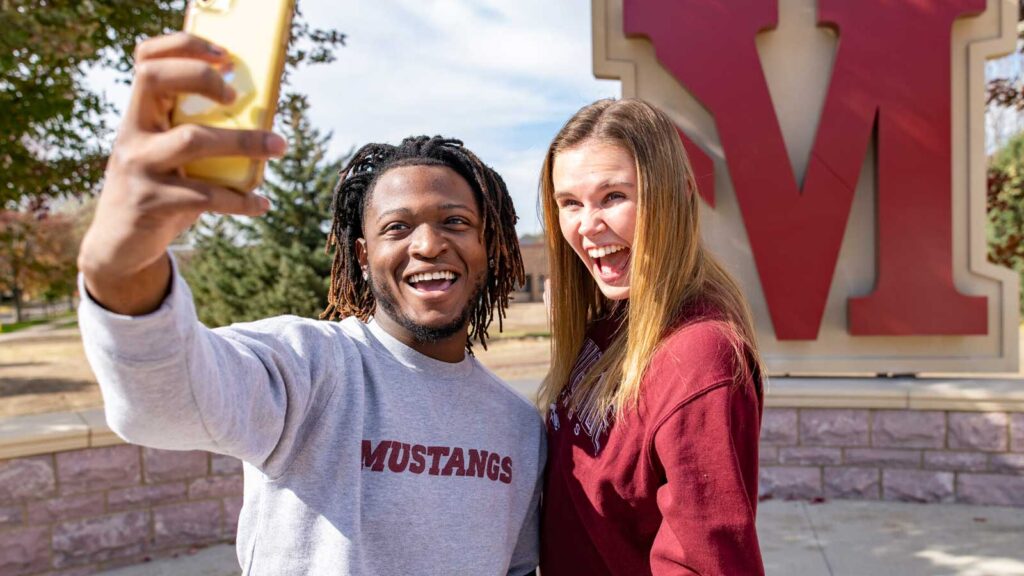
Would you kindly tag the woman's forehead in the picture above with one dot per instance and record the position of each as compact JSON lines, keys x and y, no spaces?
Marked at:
{"x":592,"y":164}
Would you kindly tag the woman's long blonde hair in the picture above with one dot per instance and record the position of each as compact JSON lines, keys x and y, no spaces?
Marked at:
{"x":669,"y":267}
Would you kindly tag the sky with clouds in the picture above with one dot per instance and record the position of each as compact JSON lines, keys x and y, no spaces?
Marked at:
{"x":501,"y":76}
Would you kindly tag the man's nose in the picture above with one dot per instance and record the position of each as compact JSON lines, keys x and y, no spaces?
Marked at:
{"x":427,"y":242}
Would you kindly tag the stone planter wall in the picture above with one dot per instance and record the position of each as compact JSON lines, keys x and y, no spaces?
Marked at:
{"x":81,"y":511}
{"x":898,"y":455}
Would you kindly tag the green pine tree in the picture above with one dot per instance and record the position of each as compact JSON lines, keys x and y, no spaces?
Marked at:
{"x":247,"y":269}
{"x":218,"y":272}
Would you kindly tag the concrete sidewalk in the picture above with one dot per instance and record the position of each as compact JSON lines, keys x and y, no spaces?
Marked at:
{"x":835,"y":538}
{"x":885,"y":538}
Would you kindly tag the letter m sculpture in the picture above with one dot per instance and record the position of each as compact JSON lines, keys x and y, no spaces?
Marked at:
{"x":839,"y":146}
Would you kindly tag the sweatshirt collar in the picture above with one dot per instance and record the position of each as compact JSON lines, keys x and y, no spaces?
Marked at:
{"x":416,"y":361}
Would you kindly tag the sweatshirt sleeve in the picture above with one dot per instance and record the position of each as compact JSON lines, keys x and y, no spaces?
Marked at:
{"x":169,"y":382}
{"x":706,"y":451}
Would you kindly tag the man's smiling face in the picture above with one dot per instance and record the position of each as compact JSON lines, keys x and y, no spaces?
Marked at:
{"x":423,"y":249}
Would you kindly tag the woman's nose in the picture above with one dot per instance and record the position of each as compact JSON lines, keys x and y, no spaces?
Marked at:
{"x":591,"y":222}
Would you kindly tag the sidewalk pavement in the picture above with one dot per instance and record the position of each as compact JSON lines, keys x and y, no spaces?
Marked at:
{"x":835,"y":538}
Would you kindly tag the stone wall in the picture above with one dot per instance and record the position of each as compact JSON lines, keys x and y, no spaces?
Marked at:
{"x":898,"y":455}
{"x":80,"y":511}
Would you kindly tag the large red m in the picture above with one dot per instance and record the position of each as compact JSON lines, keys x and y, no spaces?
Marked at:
{"x":891,"y":74}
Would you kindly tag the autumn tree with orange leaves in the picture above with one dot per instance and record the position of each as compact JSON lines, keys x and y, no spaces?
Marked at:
{"x":37,"y":257}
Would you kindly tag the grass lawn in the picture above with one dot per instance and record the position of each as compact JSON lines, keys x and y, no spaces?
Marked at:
{"x":65,"y":320}
{"x":14,"y":327}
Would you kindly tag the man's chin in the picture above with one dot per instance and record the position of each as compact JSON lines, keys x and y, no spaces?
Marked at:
{"x":432,"y":332}
{"x":427,"y":327}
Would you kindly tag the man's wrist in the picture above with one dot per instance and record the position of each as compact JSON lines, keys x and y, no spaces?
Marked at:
{"x":134,"y":295}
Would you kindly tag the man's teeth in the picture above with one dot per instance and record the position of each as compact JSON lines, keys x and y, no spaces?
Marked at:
{"x":604,"y":251}
{"x":427,"y":276}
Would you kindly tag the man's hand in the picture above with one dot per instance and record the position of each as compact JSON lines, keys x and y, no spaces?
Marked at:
{"x":147,"y":201}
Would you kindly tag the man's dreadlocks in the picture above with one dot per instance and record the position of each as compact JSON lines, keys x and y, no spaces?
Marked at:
{"x":350,"y":295}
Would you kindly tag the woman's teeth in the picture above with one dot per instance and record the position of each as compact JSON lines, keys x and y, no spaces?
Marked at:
{"x":603,"y":251}
{"x":428,"y":276}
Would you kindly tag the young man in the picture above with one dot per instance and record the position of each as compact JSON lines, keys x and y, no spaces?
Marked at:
{"x":374,"y":445}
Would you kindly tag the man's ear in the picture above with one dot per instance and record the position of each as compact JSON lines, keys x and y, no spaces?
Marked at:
{"x":361,"y":255}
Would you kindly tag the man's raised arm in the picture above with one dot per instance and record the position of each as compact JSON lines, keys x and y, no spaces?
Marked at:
{"x":167,"y":380}
{"x":146,"y":200}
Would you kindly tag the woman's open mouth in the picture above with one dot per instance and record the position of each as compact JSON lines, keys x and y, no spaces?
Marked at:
{"x":611,"y":263}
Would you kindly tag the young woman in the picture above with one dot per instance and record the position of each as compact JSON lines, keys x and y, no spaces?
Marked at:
{"x":654,"y":395}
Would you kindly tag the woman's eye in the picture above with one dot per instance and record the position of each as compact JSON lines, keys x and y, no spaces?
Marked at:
{"x":568,"y":204}
{"x":615,"y":196}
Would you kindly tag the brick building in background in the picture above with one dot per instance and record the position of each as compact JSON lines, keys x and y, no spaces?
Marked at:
{"x":535,"y":261}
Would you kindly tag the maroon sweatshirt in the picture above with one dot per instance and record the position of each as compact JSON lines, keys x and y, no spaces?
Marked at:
{"x":670,"y":488}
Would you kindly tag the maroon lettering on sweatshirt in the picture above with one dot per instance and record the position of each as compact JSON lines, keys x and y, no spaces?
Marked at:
{"x":455,"y":464}
{"x":418,"y":463}
{"x":477,"y":463}
{"x":404,"y":458}
{"x":399,"y":457}
{"x":373,"y":458}
{"x":506,"y":470}
{"x":436,"y":452}
{"x":493,"y":462}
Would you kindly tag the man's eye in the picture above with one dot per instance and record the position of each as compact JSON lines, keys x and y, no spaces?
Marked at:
{"x":395,"y":227}
{"x":457,"y":221}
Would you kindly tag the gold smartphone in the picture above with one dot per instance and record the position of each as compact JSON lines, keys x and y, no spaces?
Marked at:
{"x":255,"y":33}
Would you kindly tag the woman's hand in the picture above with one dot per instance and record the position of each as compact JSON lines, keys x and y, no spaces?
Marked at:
{"x":146,"y":200}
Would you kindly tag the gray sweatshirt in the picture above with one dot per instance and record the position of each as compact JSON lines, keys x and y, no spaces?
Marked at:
{"x":361,"y":455}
